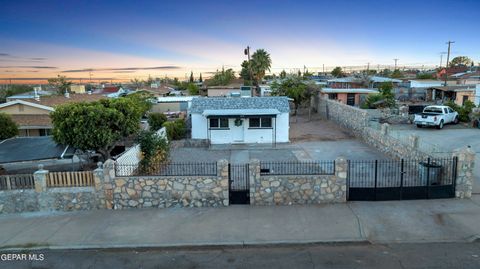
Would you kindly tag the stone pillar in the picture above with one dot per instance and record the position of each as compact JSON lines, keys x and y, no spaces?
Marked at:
{"x":414,"y":140}
{"x":341,"y":170}
{"x":40,"y":178}
{"x":98,"y":178}
{"x":384,"y":129}
{"x":465,"y":176}
{"x":222,"y":174}
{"x":254,"y":178}
{"x":108,"y":183}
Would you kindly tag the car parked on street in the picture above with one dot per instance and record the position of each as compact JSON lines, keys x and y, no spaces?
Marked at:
{"x":436,"y":116}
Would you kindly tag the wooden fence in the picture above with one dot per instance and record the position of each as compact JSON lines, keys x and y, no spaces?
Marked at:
{"x":70,"y":179}
{"x":17,"y":182}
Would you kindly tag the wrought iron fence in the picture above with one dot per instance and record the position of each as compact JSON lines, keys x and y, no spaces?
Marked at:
{"x":167,"y":169}
{"x":297,"y":168}
{"x":398,"y":173}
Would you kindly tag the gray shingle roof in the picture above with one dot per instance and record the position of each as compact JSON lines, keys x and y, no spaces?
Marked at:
{"x":224,"y":103}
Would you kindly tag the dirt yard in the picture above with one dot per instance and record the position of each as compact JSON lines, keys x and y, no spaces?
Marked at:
{"x":303,"y":130}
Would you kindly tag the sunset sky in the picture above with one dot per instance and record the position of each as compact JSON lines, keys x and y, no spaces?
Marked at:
{"x":120,"y":40}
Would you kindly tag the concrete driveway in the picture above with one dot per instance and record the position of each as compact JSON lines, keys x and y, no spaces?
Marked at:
{"x":450,"y":138}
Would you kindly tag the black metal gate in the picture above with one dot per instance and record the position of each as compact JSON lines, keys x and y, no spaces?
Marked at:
{"x":239,"y":183}
{"x":381,"y":180}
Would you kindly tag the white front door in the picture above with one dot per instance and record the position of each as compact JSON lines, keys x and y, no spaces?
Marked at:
{"x":237,"y":131}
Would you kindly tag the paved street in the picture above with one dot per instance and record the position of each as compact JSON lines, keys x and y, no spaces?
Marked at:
{"x":448,"y":220}
{"x":402,"y":256}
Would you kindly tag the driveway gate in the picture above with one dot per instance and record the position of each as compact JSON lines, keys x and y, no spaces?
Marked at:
{"x":381,"y":180}
{"x":239,"y":183}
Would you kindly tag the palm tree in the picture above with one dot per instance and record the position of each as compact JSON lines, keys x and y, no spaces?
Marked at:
{"x":261,"y":62}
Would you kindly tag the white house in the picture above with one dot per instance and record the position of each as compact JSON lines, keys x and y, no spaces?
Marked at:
{"x":225,"y":120}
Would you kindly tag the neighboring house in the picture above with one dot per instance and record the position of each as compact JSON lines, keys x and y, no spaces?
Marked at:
{"x":356,"y":82}
{"x":77,"y":89}
{"x":172,"y":104}
{"x":467,"y":78}
{"x":32,"y":116}
{"x":25,"y":153}
{"x":227,"y":91}
{"x":225,"y":120}
{"x":352,"y":97}
{"x":458,"y":93}
{"x":451,"y":71}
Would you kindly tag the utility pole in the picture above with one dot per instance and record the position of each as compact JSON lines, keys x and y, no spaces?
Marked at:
{"x":396,"y":60}
{"x":368,"y":67}
{"x":441,"y":58}
{"x":448,"y":59}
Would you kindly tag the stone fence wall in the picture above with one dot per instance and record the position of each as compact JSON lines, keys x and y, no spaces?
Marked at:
{"x":110,"y":192}
{"x":43,"y":198}
{"x":169,"y":191}
{"x":356,"y":121}
{"x":298,"y":189}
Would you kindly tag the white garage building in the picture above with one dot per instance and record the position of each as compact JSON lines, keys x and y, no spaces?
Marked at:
{"x":226,"y":120}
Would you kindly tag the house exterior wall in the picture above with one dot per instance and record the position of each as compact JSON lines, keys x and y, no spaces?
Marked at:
{"x":250,"y":135}
{"x":460,"y":95}
{"x":342,"y":97}
{"x":166,"y":107}
{"x":77,"y":88}
{"x":221,"y":92}
{"x":20,"y":109}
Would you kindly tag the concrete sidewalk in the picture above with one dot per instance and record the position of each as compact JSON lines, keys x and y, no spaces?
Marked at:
{"x":379,"y":222}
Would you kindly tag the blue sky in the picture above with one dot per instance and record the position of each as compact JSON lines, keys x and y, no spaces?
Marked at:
{"x":203,"y":36}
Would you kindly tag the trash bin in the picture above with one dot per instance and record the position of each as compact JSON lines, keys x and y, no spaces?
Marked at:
{"x":430,"y":172}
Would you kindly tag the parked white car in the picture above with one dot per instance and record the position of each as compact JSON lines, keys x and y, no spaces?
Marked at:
{"x":436,"y":116}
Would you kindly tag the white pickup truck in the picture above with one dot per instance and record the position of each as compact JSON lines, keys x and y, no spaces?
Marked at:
{"x":436,"y":116}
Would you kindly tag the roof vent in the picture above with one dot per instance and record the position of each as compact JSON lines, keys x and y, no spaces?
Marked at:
{"x":67,"y":94}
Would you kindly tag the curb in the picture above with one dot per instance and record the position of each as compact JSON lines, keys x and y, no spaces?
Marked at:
{"x":191,"y":246}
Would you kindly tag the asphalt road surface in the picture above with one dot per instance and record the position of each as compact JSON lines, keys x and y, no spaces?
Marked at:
{"x":439,"y":255}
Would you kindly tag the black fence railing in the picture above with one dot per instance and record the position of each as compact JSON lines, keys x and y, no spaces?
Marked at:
{"x":167,"y":169}
{"x":297,"y":168}
{"x":401,"y":179}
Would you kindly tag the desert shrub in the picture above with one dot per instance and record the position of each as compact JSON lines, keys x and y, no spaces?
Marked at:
{"x":156,"y":120}
{"x":175,"y":129}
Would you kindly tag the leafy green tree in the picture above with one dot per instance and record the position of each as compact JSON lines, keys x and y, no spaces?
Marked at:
{"x":192,"y":89}
{"x":191,"y":80}
{"x":338,"y":72}
{"x":424,"y":76}
{"x":136,"y":83}
{"x":260,"y":64}
{"x":143,"y":99}
{"x":245,"y":73}
{"x":294,"y":88}
{"x":13,"y":90}
{"x":397,"y":74}
{"x":155,"y":150}
{"x":60,"y":83}
{"x":460,"y":60}
{"x":8,"y":128}
{"x":175,"y":129}
{"x":386,"y":73}
{"x":97,"y":125}
{"x":283,"y":74}
{"x":222,"y":78}
{"x":156,"y":120}
{"x":385,"y":97}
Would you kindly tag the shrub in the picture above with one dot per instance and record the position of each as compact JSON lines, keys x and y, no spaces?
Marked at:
{"x":156,"y":120}
{"x":154,"y":149}
{"x":175,"y":129}
{"x":8,"y":128}
{"x":463,"y":111}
